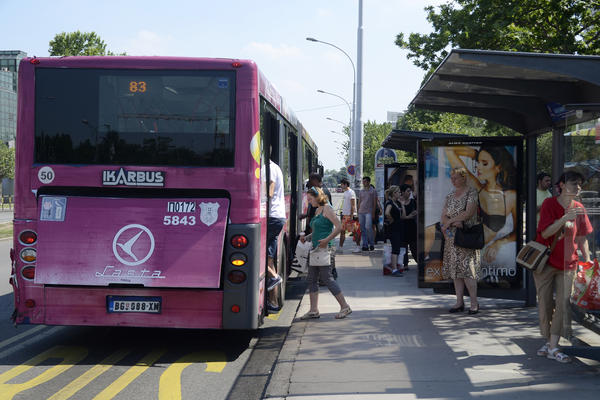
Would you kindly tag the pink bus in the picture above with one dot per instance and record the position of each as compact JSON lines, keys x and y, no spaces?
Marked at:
{"x":139,"y":194}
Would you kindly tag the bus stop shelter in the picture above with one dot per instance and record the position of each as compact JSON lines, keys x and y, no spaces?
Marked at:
{"x":531,"y":93}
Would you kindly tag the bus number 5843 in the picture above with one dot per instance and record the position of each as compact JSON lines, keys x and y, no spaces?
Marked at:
{"x":176,"y":220}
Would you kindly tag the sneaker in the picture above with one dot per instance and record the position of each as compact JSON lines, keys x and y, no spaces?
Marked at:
{"x":276,"y":280}
{"x":365,"y":248}
{"x":356,"y":249}
{"x":273,"y":308}
{"x":397,"y":272}
{"x":371,"y":248}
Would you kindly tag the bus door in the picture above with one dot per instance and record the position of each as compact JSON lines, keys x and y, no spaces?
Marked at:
{"x":293,"y":168}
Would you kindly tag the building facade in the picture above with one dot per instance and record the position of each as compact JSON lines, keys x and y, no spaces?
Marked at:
{"x":9,"y":67}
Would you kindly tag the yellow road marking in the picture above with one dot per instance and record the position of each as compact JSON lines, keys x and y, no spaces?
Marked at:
{"x":90,"y":375}
{"x":21,"y":335}
{"x":275,"y":316}
{"x":70,"y":356}
{"x":121,"y":383}
{"x":170,"y":380}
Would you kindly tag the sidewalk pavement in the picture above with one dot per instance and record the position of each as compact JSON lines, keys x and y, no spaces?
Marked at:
{"x":400,"y":342}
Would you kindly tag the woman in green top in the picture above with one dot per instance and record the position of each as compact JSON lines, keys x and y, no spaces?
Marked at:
{"x":325,"y":226}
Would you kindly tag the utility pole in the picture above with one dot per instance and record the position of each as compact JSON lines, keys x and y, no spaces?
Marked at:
{"x":358,"y":125}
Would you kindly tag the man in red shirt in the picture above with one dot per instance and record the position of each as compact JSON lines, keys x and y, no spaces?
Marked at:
{"x":564,"y":219}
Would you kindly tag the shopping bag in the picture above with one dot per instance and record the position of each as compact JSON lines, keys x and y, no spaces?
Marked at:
{"x":387,"y":254}
{"x":585,"y":286}
{"x":302,"y":251}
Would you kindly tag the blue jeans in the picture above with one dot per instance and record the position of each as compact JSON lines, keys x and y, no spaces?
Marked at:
{"x":366,"y":228}
{"x":274,"y":227}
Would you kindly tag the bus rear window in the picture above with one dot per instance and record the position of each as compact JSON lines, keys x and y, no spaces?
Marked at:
{"x":134,"y":117}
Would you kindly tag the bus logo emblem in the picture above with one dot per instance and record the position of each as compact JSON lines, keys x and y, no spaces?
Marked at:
{"x":126,"y":246}
{"x":209,"y":213}
{"x":133,"y":178}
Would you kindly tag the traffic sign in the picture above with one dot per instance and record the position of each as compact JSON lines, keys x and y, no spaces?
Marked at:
{"x":351,"y":170}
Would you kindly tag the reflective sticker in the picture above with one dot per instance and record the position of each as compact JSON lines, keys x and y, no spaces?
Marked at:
{"x":223,"y":83}
{"x":53,"y":209}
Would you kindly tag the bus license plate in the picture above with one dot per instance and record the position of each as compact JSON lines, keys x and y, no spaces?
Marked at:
{"x":122,"y":304}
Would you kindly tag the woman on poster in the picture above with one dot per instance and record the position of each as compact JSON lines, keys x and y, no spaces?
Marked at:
{"x":496,"y":184}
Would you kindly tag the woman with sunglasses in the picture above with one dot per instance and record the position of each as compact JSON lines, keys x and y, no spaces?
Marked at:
{"x":325,"y":227}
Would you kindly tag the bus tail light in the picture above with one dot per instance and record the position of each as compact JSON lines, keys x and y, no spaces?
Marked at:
{"x":28,"y":238}
{"x":238,"y":259}
{"x":236,"y":64}
{"x":29,"y":303}
{"x":28,"y":255}
{"x":28,"y":272}
{"x":239,"y":241}
{"x":236,"y":276}
{"x":34,"y":61}
{"x":235,"y":308}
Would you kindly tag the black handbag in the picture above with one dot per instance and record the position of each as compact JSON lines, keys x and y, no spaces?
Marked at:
{"x":470,"y":237}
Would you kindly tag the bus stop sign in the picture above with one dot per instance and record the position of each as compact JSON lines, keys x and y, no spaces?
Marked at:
{"x":351,"y":170}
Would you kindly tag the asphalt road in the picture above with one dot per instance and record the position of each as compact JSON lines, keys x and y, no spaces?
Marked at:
{"x":56,"y":362}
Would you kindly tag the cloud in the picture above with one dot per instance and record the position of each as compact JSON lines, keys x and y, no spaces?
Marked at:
{"x":323,"y":12}
{"x":283,"y":51}
{"x":147,"y":43}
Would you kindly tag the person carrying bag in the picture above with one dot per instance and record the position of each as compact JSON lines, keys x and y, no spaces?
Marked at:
{"x":325,"y":226}
{"x":564,"y":221}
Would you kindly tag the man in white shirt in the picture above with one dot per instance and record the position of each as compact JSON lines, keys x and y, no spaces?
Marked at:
{"x":348,"y":213}
{"x":275,"y":223}
{"x":543,"y":185}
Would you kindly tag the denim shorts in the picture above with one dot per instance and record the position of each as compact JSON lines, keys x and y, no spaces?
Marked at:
{"x":274,"y":227}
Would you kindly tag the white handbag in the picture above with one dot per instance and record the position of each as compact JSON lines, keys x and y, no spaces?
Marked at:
{"x":320,"y":257}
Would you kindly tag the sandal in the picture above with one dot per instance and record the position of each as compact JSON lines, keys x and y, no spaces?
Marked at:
{"x":310,"y":315}
{"x":556,"y":354}
{"x":543,"y":351}
{"x":344,"y":312}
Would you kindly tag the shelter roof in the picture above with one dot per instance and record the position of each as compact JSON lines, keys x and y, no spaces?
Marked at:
{"x":531,"y":93}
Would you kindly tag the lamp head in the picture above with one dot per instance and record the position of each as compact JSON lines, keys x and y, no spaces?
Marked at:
{"x":311,"y":39}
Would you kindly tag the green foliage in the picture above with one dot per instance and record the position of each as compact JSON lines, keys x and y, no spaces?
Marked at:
{"x":78,"y":44}
{"x":549,"y":26}
{"x":7,"y":162}
{"x":432,"y":121}
{"x":332,"y":177}
{"x":373,"y":136}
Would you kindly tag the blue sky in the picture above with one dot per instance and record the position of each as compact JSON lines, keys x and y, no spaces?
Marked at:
{"x":271,"y":32}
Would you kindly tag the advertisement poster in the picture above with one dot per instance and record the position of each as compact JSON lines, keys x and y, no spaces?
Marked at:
{"x":493,"y":168}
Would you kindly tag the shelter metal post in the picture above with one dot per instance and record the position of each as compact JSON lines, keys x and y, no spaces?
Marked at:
{"x":558,"y":155}
{"x":531,"y":213}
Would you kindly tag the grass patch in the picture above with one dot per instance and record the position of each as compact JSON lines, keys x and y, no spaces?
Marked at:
{"x":6,"y":230}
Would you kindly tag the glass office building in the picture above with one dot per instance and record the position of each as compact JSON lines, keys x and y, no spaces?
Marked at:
{"x":9,"y":66}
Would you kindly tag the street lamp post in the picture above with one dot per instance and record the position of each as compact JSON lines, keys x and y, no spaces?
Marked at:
{"x":350,"y":125}
{"x":341,"y":98}
{"x":353,"y":112}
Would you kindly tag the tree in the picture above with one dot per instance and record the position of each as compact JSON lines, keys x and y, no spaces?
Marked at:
{"x":7,"y":162}
{"x":550,"y":26}
{"x":78,"y":44}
